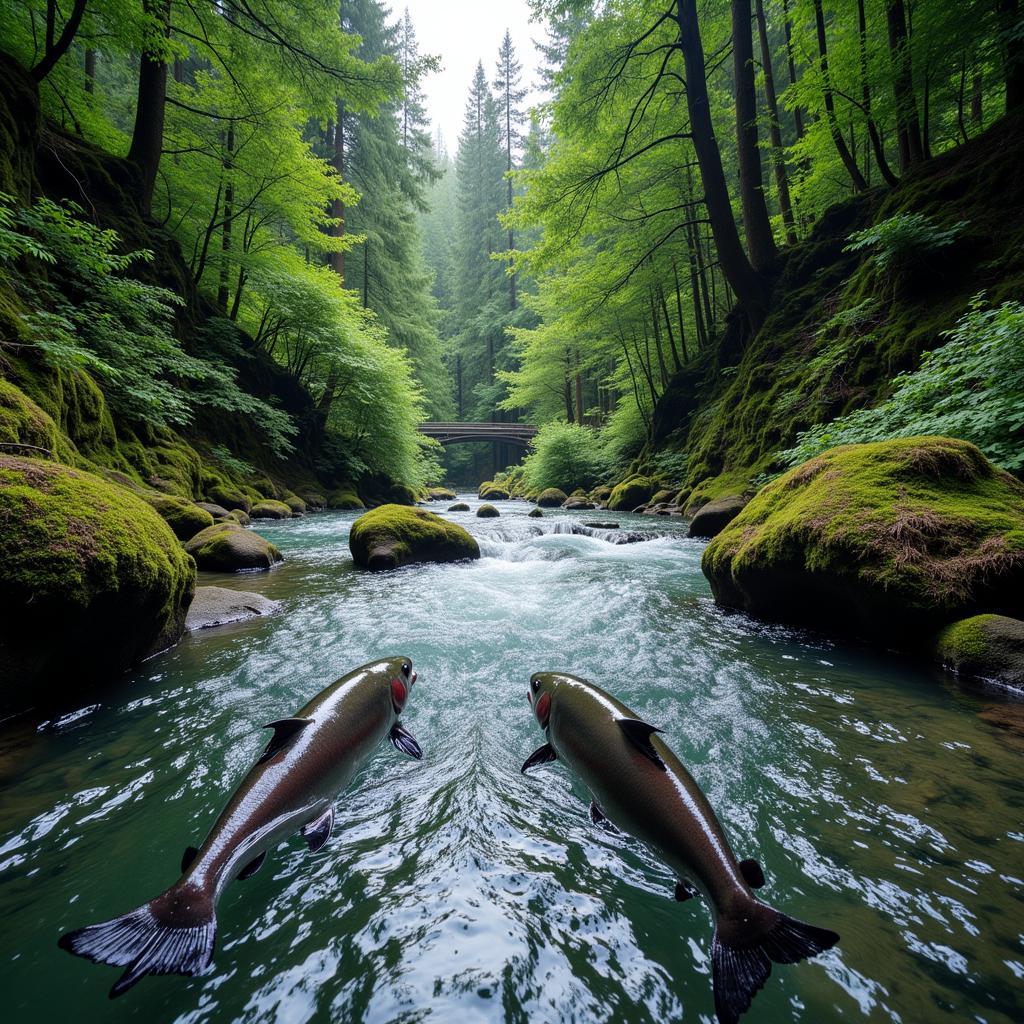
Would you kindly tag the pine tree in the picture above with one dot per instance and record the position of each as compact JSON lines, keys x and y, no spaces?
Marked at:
{"x":509,"y":96}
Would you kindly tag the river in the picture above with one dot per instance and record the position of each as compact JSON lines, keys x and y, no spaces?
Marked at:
{"x":883,"y":800}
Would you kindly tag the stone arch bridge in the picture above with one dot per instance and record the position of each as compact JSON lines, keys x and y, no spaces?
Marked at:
{"x":458,"y":433}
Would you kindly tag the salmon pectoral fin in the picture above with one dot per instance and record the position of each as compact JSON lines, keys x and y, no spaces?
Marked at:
{"x":404,"y":741}
{"x":639,"y":734}
{"x":743,"y":950}
{"x":752,"y":873}
{"x":285,"y":730}
{"x":318,"y":831}
{"x":252,"y":867}
{"x":542,"y":755}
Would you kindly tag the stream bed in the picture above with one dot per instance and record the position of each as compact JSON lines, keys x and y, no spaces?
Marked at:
{"x":883,"y":800}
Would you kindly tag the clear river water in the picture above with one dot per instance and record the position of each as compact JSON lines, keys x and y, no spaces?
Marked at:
{"x":883,"y":800}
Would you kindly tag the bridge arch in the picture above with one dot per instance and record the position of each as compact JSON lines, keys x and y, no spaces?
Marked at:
{"x":520,"y":434}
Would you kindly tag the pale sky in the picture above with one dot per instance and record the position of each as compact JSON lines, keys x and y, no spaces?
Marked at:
{"x":462,"y":32}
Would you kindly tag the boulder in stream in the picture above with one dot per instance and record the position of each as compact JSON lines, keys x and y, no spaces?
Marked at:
{"x":631,"y":493}
{"x":217,"y":606}
{"x":535,"y":513}
{"x":270,"y":509}
{"x":394,"y":535}
{"x":889,"y":540}
{"x":552,"y":497}
{"x":985,"y":647}
{"x":92,"y":580}
{"x":459,"y":506}
{"x":184,"y":517}
{"x":228,"y":547}
{"x":711,"y":519}
{"x":487,"y":512}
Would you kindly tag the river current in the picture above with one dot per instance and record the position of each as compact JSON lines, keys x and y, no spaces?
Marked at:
{"x":883,"y":800}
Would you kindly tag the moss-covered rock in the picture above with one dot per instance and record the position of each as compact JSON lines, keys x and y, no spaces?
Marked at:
{"x":459,"y":506}
{"x":493,"y":492}
{"x":666,"y":496}
{"x":577,"y":504}
{"x":441,"y":494}
{"x":185,"y":518}
{"x":218,"y":512}
{"x":986,"y":647}
{"x":486,"y":511}
{"x":889,"y":540}
{"x":631,"y":493}
{"x":711,"y":519}
{"x":535,"y":513}
{"x":601,"y":494}
{"x":401,"y":494}
{"x":270,"y":509}
{"x":227,"y":547}
{"x":91,"y":581}
{"x":238,"y":516}
{"x":22,"y":422}
{"x":344,"y":497}
{"x":229,"y":496}
{"x":394,"y":535}
{"x":551,"y":497}
{"x":294,"y":503}
{"x":313,"y":499}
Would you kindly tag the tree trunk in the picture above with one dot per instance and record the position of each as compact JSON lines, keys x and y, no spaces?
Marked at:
{"x":56,"y":48}
{"x":750,"y":286}
{"x":774,"y":130}
{"x":798,"y":117}
{"x":859,"y":184}
{"x":148,"y":134}
{"x":907,"y":125}
{"x":338,"y":205}
{"x":756,"y":223}
{"x":578,"y":380}
{"x":873,"y":134}
{"x":229,"y":216}
{"x":1013,"y":53}
{"x":90,"y":70}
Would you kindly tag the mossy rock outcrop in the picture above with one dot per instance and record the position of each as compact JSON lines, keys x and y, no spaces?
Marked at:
{"x":394,"y":535}
{"x":218,"y":512}
{"x":441,"y":494}
{"x":270,"y":509}
{"x":229,"y":496}
{"x":344,"y":498}
{"x":493,"y":492}
{"x":711,"y":519}
{"x":666,"y":496}
{"x":22,"y":422}
{"x":92,"y":581}
{"x":185,"y":518}
{"x":890,"y":540}
{"x":227,"y":547}
{"x":551,"y":497}
{"x":535,"y":513}
{"x":985,"y":647}
{"x":401,"y":494}
{"x":602,"y":493}
{"x":294,"y":503}
{"x":238,"y":516}
{"x":486,"y":511}
{"x":631,"y":493}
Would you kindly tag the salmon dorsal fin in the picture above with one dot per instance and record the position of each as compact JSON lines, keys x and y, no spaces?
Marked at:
{"x":285,"y":730}
{"x":639,"y":734}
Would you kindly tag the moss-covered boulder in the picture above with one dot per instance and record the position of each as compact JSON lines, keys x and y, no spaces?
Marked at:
{"x":666,"y":496}
{"x":91,"y":581}
{"x":227,"y":547}
{"x":344,"y":498}
{"x":22,"y":422}
{"x":631,"y":493}
{"x":401,"y":494}
{"x":185,"y":518}
{"x":313,"y":499}
{"x":986,"y":647}
{"x":270,"y":509}
{"x":229,"y":496}
{"x":440,"y":494}
{"x":551,"y":497}
{"x":493,"y":492}
{"x":459,"y":506}
{"x":486,"y":511}
{"x":535,"y":513}
{"x":888,"y":540}
{"x":601,"y":494}
{"x":711,"y":519}
{"x":236,"y":515}
{"x":294,"y":503}
{"x":394,"y":535}
{"x":218,"y":512}
{"x":577,"y":504}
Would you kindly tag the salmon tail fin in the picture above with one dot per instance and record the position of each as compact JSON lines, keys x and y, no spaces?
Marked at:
{"x":742,"y":955}
{"x":165,"y":936}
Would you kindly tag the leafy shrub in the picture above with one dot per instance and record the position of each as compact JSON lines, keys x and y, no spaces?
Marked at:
{"x":85,"y":311}
{"x":898,"y":243}
{"x":972,"y":388}
{"x":565,"y":455}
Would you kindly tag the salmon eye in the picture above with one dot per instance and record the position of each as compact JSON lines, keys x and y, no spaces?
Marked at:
{"x":399,"y":694}
{"x":543,"y":709}
{"x":535,"y":685}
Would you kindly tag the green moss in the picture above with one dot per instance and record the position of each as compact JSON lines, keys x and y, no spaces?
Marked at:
{"x":345,"y":497}
{"x":185,"y":518}
{"x":22,"y":422}
{"x":493,"y":492}
{"x":889,"y":538}
{"x":239,"y":516}
{"x":725,"y":485}
{"x":227,"y":547}
{"x":402,"y":494}
{"x":631,"y":493}
{"x":91,"y":580}
{"x":269,"y":509}
{"x":965,"y":640}
{"x":486,"y":511}
{"x":664,"y":496}
{"x":552,"y":497}
{"x":602,"y":493}
{"x":394,"y":535}
{"x":229,"y":496}
{"x":441,"y":494}
{"x":984,"y":646}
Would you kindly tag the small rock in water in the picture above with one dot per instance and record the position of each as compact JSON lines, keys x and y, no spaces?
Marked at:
{"x":459,"y":506}
{"x":535,"y":513}
{"x":603,"y":526}
{"x":216,"y":606}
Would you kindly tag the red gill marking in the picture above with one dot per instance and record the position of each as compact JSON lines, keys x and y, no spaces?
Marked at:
{"x":543,"y":709}
{"x":399,"y":694}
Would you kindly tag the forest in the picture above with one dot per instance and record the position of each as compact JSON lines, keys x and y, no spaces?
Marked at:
{"x":679,"y":390}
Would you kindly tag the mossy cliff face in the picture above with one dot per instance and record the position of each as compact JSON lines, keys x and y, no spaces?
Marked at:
{"x":394,"y":535}
{"x":888,"y":540}
{"x":91,"y":581}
